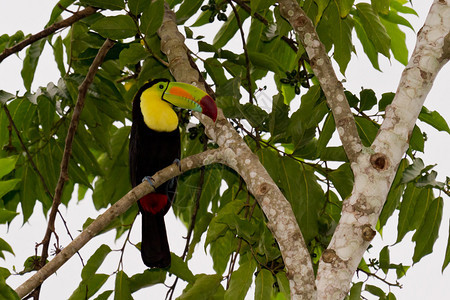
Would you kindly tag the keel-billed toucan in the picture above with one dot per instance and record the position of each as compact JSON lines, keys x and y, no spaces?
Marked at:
{"x":154,"y":145}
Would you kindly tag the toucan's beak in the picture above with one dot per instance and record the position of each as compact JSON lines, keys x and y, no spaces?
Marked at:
{"x":187,"y":96}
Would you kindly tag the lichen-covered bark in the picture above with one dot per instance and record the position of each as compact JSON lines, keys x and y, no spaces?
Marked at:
{"x":375,"y":167}
{"x":324,"y":72}
{"x":237,"y":155}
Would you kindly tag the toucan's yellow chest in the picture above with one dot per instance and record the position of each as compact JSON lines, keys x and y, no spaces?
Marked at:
{"x":158,"y":114}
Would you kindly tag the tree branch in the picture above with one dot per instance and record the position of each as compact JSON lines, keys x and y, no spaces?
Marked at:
{"x":47,"y":31}
{"x":63,"y":177}
{"x":376,"y":168}
{"x":323,"y":70}
{"x":121,"y":206}
{"x":237,"y":155}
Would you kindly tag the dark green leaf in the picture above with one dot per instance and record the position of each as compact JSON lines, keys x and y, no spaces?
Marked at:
{"x":434,"y":119}
{"x":138,"y":6}
{"x":398,"y":41}
{"x":368,"y":99}
{"x":367,"y":130}
{"x":385,"y":100}
{"x":104,"y":296}
{"x":152,"y":17}
{"x":368,"y":47}
{"x":204,"y":287}
{"x":333,"y":154}
{"x":278,"y":118}
{"x":342,"y":179}
{"x":417,"y":140}
{"x":399,"y":6}
{"x":283,"y":284}
{"x":30,"y":62}
{"x":107,"y":4}
{"x":122,"y":287}
{"x":148,"y":278}
{"x":428,"y":232}
{"x":133,"y":54}
{"x":59,"y":55}
{"x":221,"y":249}
{"x":201,"y":226}
{"x":7,"y":186}
{"x":380,"y":6}
{"x":58,"y":9}
{"x":115,"y":27}
{"x":264,"y":285}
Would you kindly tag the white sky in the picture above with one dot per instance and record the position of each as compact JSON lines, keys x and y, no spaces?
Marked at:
{"x":423,"y":281}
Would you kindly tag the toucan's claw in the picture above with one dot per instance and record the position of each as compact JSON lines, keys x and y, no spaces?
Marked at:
{"x":150,"y":180}
{"x":178,"y":162}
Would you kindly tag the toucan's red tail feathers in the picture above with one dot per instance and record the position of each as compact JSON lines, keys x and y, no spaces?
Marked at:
{"x":153,"y":203}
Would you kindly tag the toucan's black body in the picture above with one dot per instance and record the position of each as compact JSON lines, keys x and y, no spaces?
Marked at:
{"x":151,"y":151}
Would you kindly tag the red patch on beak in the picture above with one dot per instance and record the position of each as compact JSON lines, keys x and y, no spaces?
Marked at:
{"x":153,"y":202}
{"x":209,"y":107}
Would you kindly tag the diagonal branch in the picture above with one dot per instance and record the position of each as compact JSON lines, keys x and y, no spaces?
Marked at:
{"x":47,"y":31}
{"x":237,"y":155}
{"x":121,"y":206}
{"x":63,"y":177}
{"x":331,"y":86}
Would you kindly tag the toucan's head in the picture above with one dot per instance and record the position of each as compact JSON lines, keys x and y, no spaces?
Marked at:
{"x":157,"y":97}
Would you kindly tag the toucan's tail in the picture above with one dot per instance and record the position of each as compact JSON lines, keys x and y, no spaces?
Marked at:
{"x":154,"y":247}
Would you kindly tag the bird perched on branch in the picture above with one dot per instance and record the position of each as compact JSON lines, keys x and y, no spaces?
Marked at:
{"x":154,"y":145}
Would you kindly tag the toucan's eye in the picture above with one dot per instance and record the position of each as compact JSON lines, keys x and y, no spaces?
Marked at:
{"x":161,"y":86}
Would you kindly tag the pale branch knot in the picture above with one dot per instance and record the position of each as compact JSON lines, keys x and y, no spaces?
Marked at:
{"x":329,"y":256}
{"x":368,"y":233}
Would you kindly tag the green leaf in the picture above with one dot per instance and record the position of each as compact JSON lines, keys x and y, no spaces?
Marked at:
{"x":221,"y":249}
{"x":148,"y":278}
{"x":385,"y":100}
{"x":368,"y":47}
{"x":264,"y":285}
{"x":204,"y":287}
{"x":367,"y":130}
{"x":58,"y":9}
{"x":374,"y":28}
{"x":4,"y":246}
{"x":7,"y":164}
{"x":368,"y":99}
{"x":107,"y":4}
{"x":321,"y":5}
{"x":30,"y":62}
{"x":58,"y":52}
{"x":399,"y":6}
{"x":215,"y":70}
{"x":187,"y":10}
{"x":384,"y":259}
{"x":428,"y":232}
{"x":88,"y":288}
{"x":398,"y":41}
{"x":278,"y":118}
{"x":355,"y":291}
{"x":229,"y":28}
{"x":122,"y":287}
{"x":414,"y":171}
{"x":344,"y":7}
{"x":434,"y":119}
{"x":115,"y":27}
{"x":152,"y":17}
{"x":5,"y":96}
{"x":417,"y":140}
{"x":342,"y":179}
{"x":374,"y":290}
{"x":429,"y":180}
{"x":240,"y":282}
{"x":380,"y":6}
{"x":179,"y":268}
{"x":201,"y":226}
{"x":133,"y":54}
{"x":138,"y":6}
{"x":6,"y":292}
{"x":7,"y":215}
{"x":104,"y":296}
{"x":447,"y":252}
{"x":394,"y":195}
{"x":95,"y":262}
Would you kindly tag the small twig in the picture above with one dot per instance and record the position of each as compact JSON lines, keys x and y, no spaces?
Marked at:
{"x":63,"y":177}
{"x":369,"y":274}
{"x":122,"y":250}
{"x":47,"y":31}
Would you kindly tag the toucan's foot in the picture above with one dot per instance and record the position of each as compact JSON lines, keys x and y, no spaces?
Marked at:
{"x":177,"y":161}
{"x":150,"y":180}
